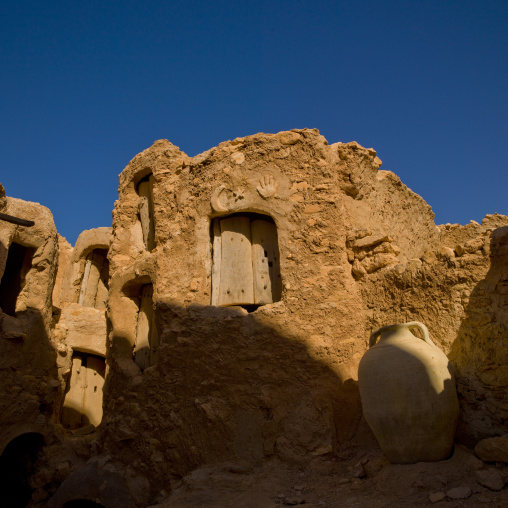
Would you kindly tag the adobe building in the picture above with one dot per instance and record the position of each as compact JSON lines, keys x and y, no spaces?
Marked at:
{"x":222,"y":318}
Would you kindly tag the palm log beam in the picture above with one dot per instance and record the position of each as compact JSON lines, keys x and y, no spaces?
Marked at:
{"x":16,"y":220}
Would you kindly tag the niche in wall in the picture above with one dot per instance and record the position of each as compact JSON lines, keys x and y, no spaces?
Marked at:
{"x":83,"y":398}
{"x":147,"y":337}
{"x":144,"y":189}
{"x":246,"y":267}
{"x":94,"y":285}
{"x":18,"y":264}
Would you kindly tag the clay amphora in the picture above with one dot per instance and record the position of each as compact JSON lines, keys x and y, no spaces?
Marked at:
{"x":408,"y":395}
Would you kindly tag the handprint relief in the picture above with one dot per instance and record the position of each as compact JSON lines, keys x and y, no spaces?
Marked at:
{"x":267,"y":186}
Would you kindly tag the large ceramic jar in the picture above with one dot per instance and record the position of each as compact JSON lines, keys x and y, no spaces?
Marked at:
{"x":408,"y":395}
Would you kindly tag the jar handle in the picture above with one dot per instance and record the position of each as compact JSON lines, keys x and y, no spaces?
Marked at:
{"x":423,"y":329}
{"x":374,"y":336}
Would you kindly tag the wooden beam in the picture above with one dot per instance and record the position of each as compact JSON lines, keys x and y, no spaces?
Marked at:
{"x":16,"y":220}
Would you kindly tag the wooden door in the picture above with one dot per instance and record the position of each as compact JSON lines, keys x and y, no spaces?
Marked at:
{"x":94,"y":289}
{"x":265,"y":262}
{"x":92,"y":399}
{"x":236,"y":282}
{"x":246,"y":269}
{"x":102,"y":287}
{"x":146,"y":211}
{"x":73,"y":402}
{"x":147,"y":337}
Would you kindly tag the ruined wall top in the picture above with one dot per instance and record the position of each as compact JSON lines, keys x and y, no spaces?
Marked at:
{"x":294,"y":176}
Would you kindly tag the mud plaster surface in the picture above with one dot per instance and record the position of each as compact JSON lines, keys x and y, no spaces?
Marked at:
{"x":243,"y":407}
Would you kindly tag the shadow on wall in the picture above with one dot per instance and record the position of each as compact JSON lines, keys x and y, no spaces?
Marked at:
{"x":226,"y":386}
{"x":29,"y":398}
{"x":480,"y":352}
{"x":27,"y":367}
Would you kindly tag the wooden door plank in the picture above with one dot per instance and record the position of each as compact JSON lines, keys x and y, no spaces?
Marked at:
{"x":72,"y":410}
{"x":265,"y":262}
{"x":217,"y":257}
{"x":84,"y":280}
{"x":92,"y":400}
{"x":102,"y":287}
{"x":236,"y":283}
{"x":142,"y":346}
{"x":151,"y":231}
{"x":145,"y":191}
{"x":93,"y":279}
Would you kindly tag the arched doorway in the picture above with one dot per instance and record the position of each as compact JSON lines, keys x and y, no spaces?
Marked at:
{"x":246,"y":264}
{"x":17,"y":464}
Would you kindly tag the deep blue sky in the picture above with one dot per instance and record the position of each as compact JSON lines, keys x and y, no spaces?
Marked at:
{"x":85,"y":86}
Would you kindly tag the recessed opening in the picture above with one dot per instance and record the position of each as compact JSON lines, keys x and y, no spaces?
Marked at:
{"x":94,"y":284}
{"x":83,"y":396}
{"x":147,"y":337}
{"x":246,"y":269}
{"x":144,"y":188}
{"x":250,"y":308}
{"x":17,"y":266}
{"x":17,"y":464}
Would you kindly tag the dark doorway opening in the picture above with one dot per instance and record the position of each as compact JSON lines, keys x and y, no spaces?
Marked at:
{"x":17,"y":464}
{"x":17,"y":266}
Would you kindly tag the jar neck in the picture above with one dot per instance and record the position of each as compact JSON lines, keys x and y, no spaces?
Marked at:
{"x":391,"y":332}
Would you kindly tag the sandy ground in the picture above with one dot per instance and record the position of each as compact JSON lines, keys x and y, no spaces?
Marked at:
{"x":365,"y":479}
